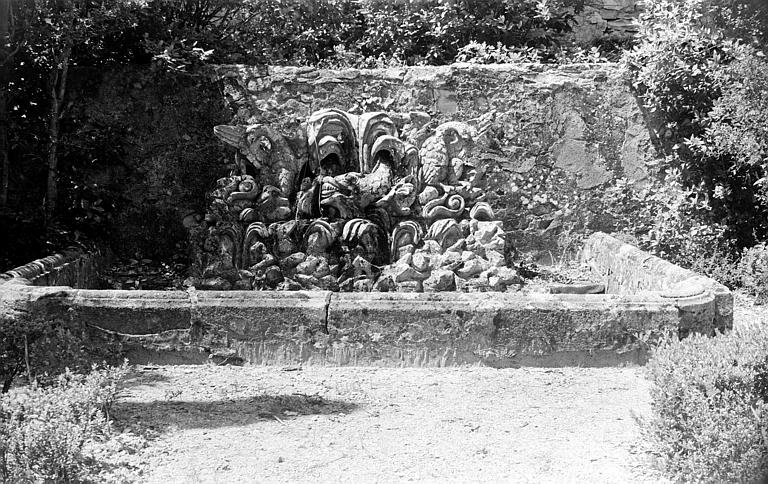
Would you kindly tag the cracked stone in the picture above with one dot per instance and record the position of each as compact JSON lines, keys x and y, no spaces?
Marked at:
{"x":440,"y":280}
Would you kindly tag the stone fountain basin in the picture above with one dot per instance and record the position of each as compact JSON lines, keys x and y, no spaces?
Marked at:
{"x":647,"y":298}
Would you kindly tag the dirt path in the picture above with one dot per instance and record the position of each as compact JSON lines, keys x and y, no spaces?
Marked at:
{"x":254,"y":424}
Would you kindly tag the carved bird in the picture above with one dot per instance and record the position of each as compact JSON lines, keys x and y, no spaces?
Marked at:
{"x":442,"y":154}
{"x":267,"y":151}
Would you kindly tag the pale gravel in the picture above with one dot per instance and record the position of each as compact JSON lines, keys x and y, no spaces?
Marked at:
{"x":222,"y":424}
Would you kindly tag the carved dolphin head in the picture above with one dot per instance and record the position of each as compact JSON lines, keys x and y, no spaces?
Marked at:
{"x":387,"y":144}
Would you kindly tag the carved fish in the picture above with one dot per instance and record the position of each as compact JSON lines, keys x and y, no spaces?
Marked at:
{"x":268,"y":152}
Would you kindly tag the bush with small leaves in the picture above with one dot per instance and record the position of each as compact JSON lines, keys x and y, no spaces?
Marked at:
{"x":40,"y":349}
{"x":674,"y":222}
{"x":710,"y":406}
{"x":703,"y":91}
{"x":53,"y":433}
{"x":753,"y":269}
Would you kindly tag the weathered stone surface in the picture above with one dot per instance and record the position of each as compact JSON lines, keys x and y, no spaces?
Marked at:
{"x":273,"y":276}
{"x":423,"y":329}
{"x":309,"y":266}
{"x":403,"y":328}
{"x":495,"y":258}
{"x":215,"y":284}
{"x":574,"y":155}
{"x":421,"y":262}
{"x":130,"y":312}
{"x":384,"y":283}
{"x":625,"y":269}
{"x":72,"y":267}
{"x":275,"y":327}
{"x":605,"y":17}
{"x":410,"y":286}
{"x":507,"y":276}
{"x":471,"y":268}
{"x":545,"y":322}
{"x":440,"y":280}
{"x":576,"y":288}
{"x":568,"y":131}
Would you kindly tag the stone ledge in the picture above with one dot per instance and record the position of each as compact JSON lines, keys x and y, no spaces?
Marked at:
{"x":380,"y":329}
{"x":625,"y":269}
{"x":71,"y":267}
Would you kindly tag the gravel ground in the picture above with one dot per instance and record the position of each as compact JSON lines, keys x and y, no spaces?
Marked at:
{"x":226,"y":424}
{"x":255,"y":424}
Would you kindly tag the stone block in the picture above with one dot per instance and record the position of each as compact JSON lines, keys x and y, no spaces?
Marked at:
{"x":408,"y":329}
{"x":131,"y":312}
{"x":440,"y":280}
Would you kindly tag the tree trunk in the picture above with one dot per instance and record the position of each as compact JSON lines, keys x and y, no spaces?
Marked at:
{"x":58,"y":88}
{"x":5,"y":163}
{"x":52,"y":187}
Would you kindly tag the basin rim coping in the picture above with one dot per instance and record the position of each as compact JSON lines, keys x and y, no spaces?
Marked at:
{"x":379,"y":300}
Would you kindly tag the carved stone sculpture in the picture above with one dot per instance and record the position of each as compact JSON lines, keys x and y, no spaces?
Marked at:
{"x":354,"y":207}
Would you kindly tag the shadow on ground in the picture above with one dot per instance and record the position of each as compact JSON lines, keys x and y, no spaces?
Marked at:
{"x":159,"y":415}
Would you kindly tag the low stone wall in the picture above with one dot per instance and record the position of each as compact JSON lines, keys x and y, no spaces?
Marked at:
{"x":378,"y":329}
{"x":398,"y":329}
{"x":648,"y":298}
{"x":625,"y":269}
{"x":561,"y":134}
{"x":72,"y":267}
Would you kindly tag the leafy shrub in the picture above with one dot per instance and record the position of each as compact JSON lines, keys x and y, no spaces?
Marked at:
{"x":51,"y":434}
{"x":433,"y":31}
{"x":703,"y":92}
{"x":300,"y":32}
{"x":675,"y":69}
{"x":710,"y":406}
{"x":753,"y":268}
{"x":482,"y":53}
{"x":674,"y":222}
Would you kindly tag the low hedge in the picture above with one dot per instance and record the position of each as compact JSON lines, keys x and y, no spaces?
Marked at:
{"x":710,"y":407}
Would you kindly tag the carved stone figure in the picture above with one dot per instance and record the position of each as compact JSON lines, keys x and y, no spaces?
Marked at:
{"x":443,"y":155}
{"x":355,"y":207}
{"x":271,"y":161}
{"x":332,"y":142}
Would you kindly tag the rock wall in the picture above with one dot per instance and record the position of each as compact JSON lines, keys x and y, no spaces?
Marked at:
{"x":606,"y":20}
{"x":561,"y":134}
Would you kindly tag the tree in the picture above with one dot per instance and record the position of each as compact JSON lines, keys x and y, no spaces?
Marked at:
{"x":8,"y":49}
{"x":62,"y":34}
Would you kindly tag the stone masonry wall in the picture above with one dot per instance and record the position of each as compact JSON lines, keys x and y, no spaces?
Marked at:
{"x":606,"y":19}
{"x":561,"y":135}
